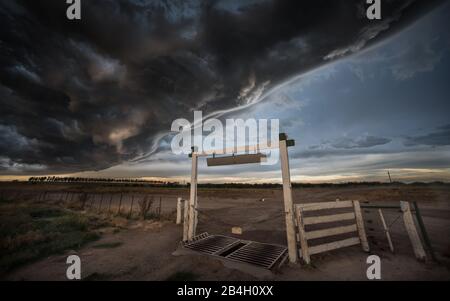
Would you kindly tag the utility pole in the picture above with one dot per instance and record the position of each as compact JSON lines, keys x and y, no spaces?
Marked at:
{"x":389,"y":175}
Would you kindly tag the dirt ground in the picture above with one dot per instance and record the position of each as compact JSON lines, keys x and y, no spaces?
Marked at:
{"x":150,"y":250}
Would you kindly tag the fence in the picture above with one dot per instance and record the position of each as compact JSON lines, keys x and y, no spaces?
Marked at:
{"x":117,"y":203}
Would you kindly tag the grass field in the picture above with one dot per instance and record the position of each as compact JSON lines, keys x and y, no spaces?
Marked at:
{"x":33,"y":230}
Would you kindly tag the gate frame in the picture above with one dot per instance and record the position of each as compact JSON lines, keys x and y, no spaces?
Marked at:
{"x":282,"y":145}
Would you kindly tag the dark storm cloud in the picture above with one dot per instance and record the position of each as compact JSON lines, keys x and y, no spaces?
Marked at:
{"x":89,"y":94}
{"x":440,"y":137}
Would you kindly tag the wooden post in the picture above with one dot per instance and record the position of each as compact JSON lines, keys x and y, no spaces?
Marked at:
{"x":302,"y":236}
{"x":386,"y":230}
{"x":92,"y":202}
{"x":120,"y":203}
{"x":193,"y":197}
{"x":360,"y":226}
{"x":423,"y":230}
{"x":101,"y":202}
{"x":131,"y":206}
{"x":186,"y":220}
{"x":110,"y":201}
{"x":179,"y":210}
{"x":412,"y":231}
{"x":288,"y":204}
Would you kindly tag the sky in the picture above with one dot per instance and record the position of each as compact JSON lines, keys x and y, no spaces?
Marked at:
{"x":97,"y":97}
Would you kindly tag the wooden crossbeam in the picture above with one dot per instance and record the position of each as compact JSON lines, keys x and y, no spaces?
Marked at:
{"x":331,"y":232}
{"x":328,"y":218}
{"x":327,"y":205}
{"x":236,"y":159}
{"x":334,"y":245}
{"x":386,"y":230}
{"x":274,"y":144}
{"x":239,"y":149}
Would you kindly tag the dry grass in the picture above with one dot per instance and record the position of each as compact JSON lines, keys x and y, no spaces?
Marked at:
{"x":32,"y":230}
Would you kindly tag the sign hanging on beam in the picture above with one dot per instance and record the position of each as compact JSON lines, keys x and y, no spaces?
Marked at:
{"x":236,"y":159}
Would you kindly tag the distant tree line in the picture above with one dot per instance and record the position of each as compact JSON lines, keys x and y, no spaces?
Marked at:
{"x":53,"y":179}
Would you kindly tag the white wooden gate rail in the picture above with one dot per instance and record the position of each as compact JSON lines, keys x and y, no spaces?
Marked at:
{"x":304,"y":236}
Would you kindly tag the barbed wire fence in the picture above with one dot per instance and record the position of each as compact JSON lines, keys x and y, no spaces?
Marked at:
{"x":123,"y":204}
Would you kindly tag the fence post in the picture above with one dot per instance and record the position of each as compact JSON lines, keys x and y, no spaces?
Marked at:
{"x":426,"y":238}
{"x":186,"y":220}
{"x":92,"y":202}
{"x":412,"y":231}
{"x":131,"y":206}
{"x":360,"y":226}
{"x":193,"y":197}
{"x":120,"y":203}
{"x":110,"y":201}
{"x":179,"y":210}
{"x":101,"y":202}
{"x":287,"y":197}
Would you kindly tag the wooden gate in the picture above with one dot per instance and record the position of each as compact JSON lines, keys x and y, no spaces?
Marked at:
{"x":304,"y":236}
